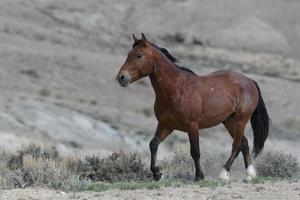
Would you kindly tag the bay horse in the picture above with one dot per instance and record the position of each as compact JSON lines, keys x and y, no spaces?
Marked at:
{"x":188,"y":102}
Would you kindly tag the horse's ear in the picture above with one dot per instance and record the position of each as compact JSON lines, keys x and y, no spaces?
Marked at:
{"x":134,"y":38}
{"x":144,"y":38}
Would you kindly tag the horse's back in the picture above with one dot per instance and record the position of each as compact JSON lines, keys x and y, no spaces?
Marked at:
{"x":231,"y":80}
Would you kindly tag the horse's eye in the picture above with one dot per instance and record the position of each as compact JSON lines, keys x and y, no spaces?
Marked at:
{"x":139,"y":55}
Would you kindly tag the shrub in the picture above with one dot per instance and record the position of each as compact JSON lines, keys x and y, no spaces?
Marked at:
{"x":45,"y":92}
{"x":34,"y":165}
{"x":182,"y":166}
{"x":40,"y":172}
{"x":277,"y":164}
{"x":212,"y":163}
{"x":116,"y":167}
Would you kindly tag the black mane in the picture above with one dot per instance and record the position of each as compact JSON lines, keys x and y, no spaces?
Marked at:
{"x":168,"y":55}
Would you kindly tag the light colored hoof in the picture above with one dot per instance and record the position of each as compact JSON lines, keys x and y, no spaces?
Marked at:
{"x":224,"y":175}
{"x":162,"y":177}
{"x":251,"y":172}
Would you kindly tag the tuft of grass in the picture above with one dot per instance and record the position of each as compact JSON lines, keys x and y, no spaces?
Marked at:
{"x":277,"y":165}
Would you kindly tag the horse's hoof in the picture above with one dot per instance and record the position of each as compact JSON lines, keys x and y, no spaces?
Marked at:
{"x":251,"y":172}
{"x":198,"y":178}
{"x":224,"y":176}
{"x":158,"y":176}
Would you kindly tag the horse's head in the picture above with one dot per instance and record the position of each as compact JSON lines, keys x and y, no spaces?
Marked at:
{"x":138,"y":63}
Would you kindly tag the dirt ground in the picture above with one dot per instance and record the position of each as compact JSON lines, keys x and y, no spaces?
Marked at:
{"x":267,"y":191}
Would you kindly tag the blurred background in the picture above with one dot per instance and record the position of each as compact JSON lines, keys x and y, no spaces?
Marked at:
{"x":59,"y":59}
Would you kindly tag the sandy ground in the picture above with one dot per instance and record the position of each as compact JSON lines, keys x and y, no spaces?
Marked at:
{"x":267,"y":191}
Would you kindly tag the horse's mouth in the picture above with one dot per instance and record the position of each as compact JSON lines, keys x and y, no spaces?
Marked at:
{"x":123,"y":80}
{"x":124,"y":84}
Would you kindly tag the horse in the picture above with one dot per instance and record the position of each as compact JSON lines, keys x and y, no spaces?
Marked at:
{"x":188,"y":102}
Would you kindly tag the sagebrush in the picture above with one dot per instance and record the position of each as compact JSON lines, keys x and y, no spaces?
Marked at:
{"x":33,"y":165}
{"x":44,"y":166}
{"x":181,"y":165}
{"x":116,"y":167}
{"x":277,"y":164}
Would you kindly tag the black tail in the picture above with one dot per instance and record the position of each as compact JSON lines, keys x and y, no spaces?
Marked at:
{"x":260,"y":122}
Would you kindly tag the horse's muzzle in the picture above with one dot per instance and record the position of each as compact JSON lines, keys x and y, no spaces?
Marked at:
{"x":123,"y":79}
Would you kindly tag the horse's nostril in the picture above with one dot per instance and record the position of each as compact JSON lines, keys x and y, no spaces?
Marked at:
{"x":123,"y":79}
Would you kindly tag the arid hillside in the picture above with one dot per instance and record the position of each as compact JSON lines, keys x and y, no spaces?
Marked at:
{"x":59,"y":59}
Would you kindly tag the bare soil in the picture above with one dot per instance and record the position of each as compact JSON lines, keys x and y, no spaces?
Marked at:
{"x":267,"y":191}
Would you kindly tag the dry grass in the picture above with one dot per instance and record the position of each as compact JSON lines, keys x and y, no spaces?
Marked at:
{"x":34,"y":165}
{"x":43,"y":166}
{"x":181,"y":165}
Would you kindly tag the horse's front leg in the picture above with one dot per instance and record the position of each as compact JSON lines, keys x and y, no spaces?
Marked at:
{"x":161,"y":133}
{"x":195,"y":151}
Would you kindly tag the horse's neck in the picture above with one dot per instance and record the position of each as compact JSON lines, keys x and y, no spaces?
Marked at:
{"x":165,"y":78}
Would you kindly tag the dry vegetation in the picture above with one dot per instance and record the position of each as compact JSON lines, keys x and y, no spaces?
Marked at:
{"x":277,"y":164}
{"x":34,"y":165}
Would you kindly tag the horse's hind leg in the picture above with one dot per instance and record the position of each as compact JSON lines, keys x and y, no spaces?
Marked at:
{"x":247,"y":159}
{"x":236,"y":130}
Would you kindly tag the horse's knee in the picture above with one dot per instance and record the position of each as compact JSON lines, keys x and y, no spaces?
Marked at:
{"x":245,"y":141}
{"x":154,"y":144}
{"x":244,"y":144}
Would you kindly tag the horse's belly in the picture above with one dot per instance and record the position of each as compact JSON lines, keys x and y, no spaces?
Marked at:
{"x":212,"y":121}
{"x":216,"y":111}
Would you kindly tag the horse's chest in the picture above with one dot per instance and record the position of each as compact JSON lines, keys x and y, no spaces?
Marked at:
{"x":171,"y":114}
